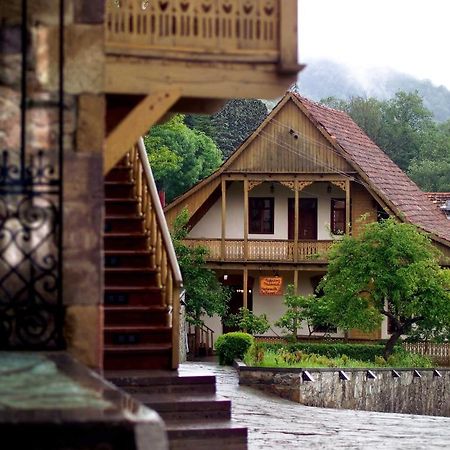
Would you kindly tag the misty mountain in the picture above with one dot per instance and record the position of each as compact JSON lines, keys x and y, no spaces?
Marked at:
{"x":323,"y":78}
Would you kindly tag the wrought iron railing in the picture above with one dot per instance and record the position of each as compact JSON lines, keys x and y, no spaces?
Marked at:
{"x":159,"y":242}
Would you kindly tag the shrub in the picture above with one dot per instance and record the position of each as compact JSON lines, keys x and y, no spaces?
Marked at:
{"x":234,"y":345}
{"x":255,"y":354}
{"x":361,"y":352}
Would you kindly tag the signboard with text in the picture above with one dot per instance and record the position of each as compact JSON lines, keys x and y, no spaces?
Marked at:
{"x":271,"y":285}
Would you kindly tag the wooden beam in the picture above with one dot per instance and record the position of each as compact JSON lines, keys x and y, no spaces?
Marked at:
{"x":224,"y":217}
{"x":295,"y":281}
{"x":347,"y":207}
{"x":245,"y":219}
{"x":296,"y":220}
{"x":137,"y":123}
{"x":245,"y":288}
{"x":200,"y":79}
{"x":288,"y":28}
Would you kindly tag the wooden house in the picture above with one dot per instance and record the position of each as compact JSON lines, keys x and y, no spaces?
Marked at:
{"x":307,"y":175}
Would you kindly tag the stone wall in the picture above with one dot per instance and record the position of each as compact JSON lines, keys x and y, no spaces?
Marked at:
{"x":424,"y":391}
{"x":84,"y":132}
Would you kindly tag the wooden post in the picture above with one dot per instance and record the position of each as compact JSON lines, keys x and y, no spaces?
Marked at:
{"x":347,"y":207}
{"x":296,"y":220}
{"x":295,"y":281}
{"x":245,"y":219}
{"x":224,"y":218}
{"x":245,"y":289}
{"x":288,"y":28}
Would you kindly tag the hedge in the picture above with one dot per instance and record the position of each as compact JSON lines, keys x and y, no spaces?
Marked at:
{"x":362,"y":352}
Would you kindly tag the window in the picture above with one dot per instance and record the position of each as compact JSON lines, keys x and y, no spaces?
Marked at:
{"x":337,"y":216}
{"x":261,"y":215}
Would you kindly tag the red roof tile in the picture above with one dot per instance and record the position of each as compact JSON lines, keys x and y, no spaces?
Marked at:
{"x":384,"y":176}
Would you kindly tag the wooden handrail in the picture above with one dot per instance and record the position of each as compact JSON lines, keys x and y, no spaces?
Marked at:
{"x":159,"y":242}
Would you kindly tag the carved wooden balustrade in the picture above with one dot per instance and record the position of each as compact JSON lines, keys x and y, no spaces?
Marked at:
{"x":247,"y":30}
{"x":263,"y":250}
{"x":159,"y":242}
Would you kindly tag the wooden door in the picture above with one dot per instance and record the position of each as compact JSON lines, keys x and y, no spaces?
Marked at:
{"x":307,"y":226}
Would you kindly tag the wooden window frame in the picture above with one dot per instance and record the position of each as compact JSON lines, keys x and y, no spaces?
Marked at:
{"x":251,"y":208}
{"x":333,"y":224}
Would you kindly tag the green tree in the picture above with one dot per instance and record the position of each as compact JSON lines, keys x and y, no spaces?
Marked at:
{"x":179,"y":156}
{"x":248,"y":322}
{"x":205,"y":295}
{"x":390,"y":270}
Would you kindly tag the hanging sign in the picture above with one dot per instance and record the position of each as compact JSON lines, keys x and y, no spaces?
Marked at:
{"x":271,"y":285}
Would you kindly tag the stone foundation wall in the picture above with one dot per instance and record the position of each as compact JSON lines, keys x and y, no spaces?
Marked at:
{"x":424,"y":392}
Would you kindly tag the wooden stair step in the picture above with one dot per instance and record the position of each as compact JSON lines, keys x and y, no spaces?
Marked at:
{"x":206,"y":435}
{"x":137,"y":334}
{"x":180,"y":406}
{"x":119,"y":189}
{"x":127,"y":258}
{"x":125,"y":241}
{"x":130,"y":276}
{"x":121,"y":206}
{"x":124,"y":224}
{"x":135,"y":315}
{"x":141,"y":356}
{"x":119,"y":173}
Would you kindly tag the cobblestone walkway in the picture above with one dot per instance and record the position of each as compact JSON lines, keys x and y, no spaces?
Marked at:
{"x":274,"y":423}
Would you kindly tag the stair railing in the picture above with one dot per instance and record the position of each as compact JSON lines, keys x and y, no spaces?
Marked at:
{"x":201,"y":340}
{"x":159,"y":242}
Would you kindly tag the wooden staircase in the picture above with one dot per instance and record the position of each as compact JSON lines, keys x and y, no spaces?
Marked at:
{"x":195,"y":416}
{"x":141,"y":286}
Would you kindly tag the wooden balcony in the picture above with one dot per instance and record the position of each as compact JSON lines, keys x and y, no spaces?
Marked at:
{"x":263,"y":250}
{"x":209,"y":48}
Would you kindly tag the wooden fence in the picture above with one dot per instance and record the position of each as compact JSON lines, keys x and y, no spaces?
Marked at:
{"x":439,"y":353}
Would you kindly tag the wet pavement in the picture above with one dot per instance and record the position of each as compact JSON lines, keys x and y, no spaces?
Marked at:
{"x":275,"y":423}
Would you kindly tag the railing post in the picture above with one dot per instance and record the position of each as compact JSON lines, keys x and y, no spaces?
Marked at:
{"x":224,"y":218}
{"x":288,"y":30}
{"x":245,"y":219}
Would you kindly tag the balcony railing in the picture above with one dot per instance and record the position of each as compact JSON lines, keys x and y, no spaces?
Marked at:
{"x":263,"y":250}
{"x":250,"y":31}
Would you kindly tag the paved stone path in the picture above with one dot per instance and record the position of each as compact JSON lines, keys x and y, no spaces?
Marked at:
{"x":275,"y":423}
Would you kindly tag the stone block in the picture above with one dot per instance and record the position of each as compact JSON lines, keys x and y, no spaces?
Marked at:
{"x":91,"y":123}
{"x":83,"y":331}
{"x":83,"y":276}
{"x":89,"y":11}
{"x":9,"y":118}
{"x":84,"y":63}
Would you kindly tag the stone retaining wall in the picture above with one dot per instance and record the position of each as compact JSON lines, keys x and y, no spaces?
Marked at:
{"x":421,"y":391}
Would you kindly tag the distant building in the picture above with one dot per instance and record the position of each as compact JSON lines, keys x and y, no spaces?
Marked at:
{"x":442,"y":201}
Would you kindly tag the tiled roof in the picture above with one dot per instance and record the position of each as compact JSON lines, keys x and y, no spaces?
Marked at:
{"x":439,"y":198}
{"x":384,"y":176}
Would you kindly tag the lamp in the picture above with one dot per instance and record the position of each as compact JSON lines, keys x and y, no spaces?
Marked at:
{"x":272,"y":188}
{"x":329,"y":188}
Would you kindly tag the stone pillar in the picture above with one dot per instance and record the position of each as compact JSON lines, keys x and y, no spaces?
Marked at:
{"x":84,"y":134}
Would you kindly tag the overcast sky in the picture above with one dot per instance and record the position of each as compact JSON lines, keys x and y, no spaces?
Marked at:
{"x":410,"y":36}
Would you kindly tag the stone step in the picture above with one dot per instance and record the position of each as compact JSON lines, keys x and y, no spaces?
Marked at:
{"x":130,"y":276}
{"x":162,"y":382}
{"x":137,"y":334}
{"x":140,"y":356}
{"x":121,"y":206}
{"x":125,"y":241}
{"x":124,"y":224}
{"x":136,"y":315}
{"x":180,"y":406}
{"x":127,"y":258}
{"x":206,"y":435}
